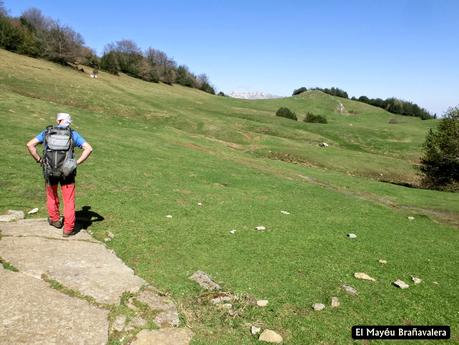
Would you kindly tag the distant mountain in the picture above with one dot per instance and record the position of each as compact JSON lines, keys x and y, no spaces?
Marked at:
{"x":252,"y":95}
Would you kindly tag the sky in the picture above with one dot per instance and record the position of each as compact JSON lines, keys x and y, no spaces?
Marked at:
{"x":406,"y":48}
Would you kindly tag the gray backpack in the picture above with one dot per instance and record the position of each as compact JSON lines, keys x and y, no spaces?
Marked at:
{"x":58,"y":158}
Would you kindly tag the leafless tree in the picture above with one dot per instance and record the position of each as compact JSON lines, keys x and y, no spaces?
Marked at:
{"x":3,"y":11}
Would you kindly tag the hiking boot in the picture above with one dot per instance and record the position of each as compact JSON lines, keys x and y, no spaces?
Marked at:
{"x":58,"y":223}
{"x":68,"y":234}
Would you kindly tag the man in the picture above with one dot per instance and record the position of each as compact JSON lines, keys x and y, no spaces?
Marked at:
{"x":66,"y":180}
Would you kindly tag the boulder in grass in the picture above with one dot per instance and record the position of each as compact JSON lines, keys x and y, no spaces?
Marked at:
{"x":416,"y":280}
{"x":318,"y":306}
{"x":255,"y":330}
{"x":401,"y":284}
{"x":260,"y":228}
{"x":262,"y":303}
{"x":335,"y":303}
{"x":12,"y":215}
{"x":270,"y":336}
{"x":352,"y":236}
{"x":349,"y":290}
{"x":204,"y":280}
{"x":363,"y":276}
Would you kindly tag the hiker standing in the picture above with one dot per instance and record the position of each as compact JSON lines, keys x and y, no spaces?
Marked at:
{"x":59,"y":167}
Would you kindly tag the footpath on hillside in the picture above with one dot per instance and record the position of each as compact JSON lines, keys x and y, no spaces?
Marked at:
{"x":56,"y":290}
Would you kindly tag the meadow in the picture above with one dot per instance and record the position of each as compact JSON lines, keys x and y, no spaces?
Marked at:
{"x":160,"y":150}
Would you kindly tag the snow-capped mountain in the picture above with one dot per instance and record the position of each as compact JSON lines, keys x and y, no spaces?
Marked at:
{"x":251,"y":95}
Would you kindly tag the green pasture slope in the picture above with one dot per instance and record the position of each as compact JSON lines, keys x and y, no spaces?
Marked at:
{"x":162,"y":149}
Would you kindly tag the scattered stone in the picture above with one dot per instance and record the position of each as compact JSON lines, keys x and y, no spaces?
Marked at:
{"x":32,"y":211}
{"x":167,"y":336}
{"x":411,"y":218}
{"x":255,"y":330}
{"x":401,"y":284}
{"x":260,"y":228}
{"x":436,"y":283}
{"x":262,"y":303}
{"x":233,"y":231}
{"x":363,"y":276}
{"x":351,"y":235}
{"x":270,"y":336}
{"x":168,"y":316}
{"x":204,"y":280}
{"x":221,"y":299}
{"x":285,"y":212}
{"x":381,"y":261}
{"x":340,"y":108}
{"x":323,"y":145}
{"x":335,"y":303}
{"x":416,"y":280}
{"x":169,"y":216}
{"x":349,"y":290}
{"x":119,"y":323}
{"x":199,"y":203}
{"x":318,"y":306}
{"x":12,"y":215}
{"x":107,"y":239}
{"x":110,"y":235}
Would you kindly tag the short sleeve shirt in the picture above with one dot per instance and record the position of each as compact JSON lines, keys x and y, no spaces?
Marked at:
{"x":78,"y":140}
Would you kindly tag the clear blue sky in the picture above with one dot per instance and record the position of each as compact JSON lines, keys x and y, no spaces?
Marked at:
{"x":405,"y":48}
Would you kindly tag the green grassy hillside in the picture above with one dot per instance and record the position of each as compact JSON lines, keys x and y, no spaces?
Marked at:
{"x":162,"y":149}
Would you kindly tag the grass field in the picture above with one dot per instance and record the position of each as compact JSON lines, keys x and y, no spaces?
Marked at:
{"x":161,"y":149}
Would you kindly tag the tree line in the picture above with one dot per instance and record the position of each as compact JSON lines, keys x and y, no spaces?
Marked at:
{"x":393,"y":105}
{"x":39,"y":36}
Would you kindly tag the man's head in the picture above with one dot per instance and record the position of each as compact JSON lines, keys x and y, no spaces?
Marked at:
{"x":63,"y":119}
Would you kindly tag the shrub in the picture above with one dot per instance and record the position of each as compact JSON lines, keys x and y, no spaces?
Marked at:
{"x":287,"y":113}
{"x":440,"y":162}
{"x":310,"y":117}
{"x":298,"y":91}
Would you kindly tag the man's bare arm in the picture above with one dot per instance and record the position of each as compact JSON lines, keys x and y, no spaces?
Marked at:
{"x":32,"y":147}
{"x":87,"y":150}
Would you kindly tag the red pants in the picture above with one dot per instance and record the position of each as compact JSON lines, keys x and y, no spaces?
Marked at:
{"x":68,"y":196}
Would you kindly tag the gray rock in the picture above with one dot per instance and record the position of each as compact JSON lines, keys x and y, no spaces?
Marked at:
{"x":204,"y":280}
{"x":260,"y":228}
{"x":168,"y":315}
{"x":262,"y":303}
{"x":136,"y":322}
{"x":255,"y":330}
{"x":40,"y":228}
{"x":323,"y":145}
{"x":381,"y":261}
{"x":352,"y":235}
{"x":335,"y":303}
{"x":270,"y":336}
{"x":168,"y":336}
{"x":80,"y":265}
{"x":318,"y":306}
{"x":416,"y":280}
{"x":119,"y":323}
{"x":12,"y":215}
{"x":168,"y":318}
{"x":32,"y":313}
{"x":363,"y":276}
{"x":401,"y":284}
{"x":349,"y":290}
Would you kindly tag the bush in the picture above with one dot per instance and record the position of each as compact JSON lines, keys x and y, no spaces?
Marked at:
{"x":287,"y":113}
{"x":310,"y":117}
{"x":298,"y":91}
{"x":440,"y":162}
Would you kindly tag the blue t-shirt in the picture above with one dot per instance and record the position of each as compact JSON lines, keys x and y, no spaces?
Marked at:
{"x":78,"y":140}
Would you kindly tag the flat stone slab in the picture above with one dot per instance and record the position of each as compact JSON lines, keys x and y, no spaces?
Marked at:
{"x":80,"y":265}
{"x":40,"y":228}
{"x":167,"y":336}
{"x":34,"y":314}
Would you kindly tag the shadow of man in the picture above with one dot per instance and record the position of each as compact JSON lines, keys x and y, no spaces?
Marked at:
{"x":85,"y":217}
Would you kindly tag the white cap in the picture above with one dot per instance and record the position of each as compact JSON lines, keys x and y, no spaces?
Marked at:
{"x":64,"y":117}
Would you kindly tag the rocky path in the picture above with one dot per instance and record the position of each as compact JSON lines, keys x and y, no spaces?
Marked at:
{"x":56,"y":290}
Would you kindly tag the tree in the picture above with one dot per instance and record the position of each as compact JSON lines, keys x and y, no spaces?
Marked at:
{"x":287,"y":113}
{"x":109,"y":63}
{"x":3,"y":11}
{"x":440,"y":162}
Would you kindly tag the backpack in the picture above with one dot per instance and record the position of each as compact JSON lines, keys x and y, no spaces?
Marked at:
{"x":58,"y":152}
